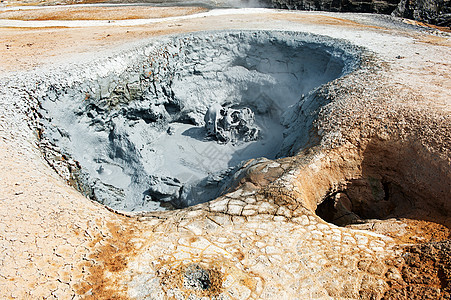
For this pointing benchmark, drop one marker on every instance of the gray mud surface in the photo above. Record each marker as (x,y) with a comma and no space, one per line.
(133,132)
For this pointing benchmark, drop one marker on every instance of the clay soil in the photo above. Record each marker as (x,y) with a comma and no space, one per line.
(426,268)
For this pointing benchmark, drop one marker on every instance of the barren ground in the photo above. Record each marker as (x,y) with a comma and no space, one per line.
(264,239)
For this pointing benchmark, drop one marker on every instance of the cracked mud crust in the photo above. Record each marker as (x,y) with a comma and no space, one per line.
(380,138)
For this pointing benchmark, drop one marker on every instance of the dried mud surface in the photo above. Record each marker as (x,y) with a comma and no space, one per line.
(99,13)
(263,240)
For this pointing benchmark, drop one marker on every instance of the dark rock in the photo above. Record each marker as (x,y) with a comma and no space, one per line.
(365,6)
(437,12)
(196,278)
(171,130)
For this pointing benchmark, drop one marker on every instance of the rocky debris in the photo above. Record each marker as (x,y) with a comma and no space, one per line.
(231,125)
(437,12)
(362,6)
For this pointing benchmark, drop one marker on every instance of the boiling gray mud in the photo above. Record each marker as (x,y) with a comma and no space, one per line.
(172,126)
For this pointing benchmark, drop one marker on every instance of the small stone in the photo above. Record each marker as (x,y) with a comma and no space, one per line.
(394,274)
(171,130)
(196,278)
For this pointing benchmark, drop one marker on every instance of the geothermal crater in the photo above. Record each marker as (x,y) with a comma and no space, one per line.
(172,126)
